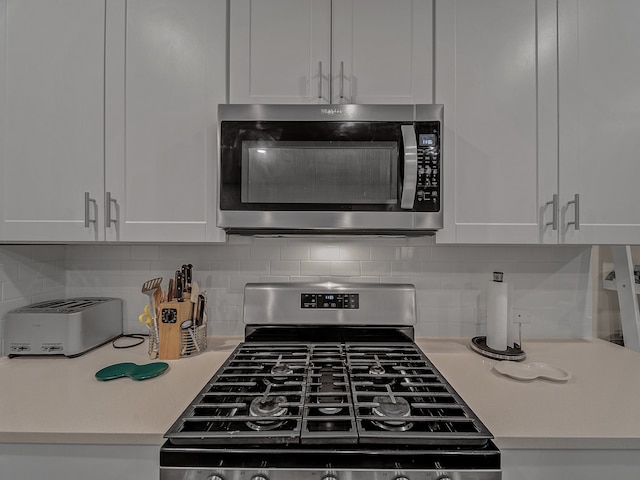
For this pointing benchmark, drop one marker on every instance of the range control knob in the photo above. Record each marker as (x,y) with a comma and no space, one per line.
(330,477)
(215,477)
(401,477)
(259,477)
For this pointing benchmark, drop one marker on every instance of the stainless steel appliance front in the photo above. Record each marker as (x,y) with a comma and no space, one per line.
(304,397)
(330,168)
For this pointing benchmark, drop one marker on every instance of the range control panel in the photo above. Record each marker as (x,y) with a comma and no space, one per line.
(428,187)
(349,301)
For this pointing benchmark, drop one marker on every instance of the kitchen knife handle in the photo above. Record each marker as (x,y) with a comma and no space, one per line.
(108,200)
(576,216)
(178,286)
(341,82)
(87,207)
(410,180)
(189,276)
(554,218)
(201,306)
(320,80)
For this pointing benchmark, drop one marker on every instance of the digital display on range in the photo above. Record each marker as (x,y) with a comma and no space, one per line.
(348,301)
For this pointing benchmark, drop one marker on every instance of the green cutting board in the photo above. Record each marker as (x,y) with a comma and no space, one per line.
(132,370)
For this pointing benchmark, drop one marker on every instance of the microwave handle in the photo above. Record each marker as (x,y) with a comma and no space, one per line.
(410,167)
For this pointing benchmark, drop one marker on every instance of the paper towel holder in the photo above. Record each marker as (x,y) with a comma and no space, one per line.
(515,353)
(480,344)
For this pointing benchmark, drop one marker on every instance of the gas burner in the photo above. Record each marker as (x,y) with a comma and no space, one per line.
(376,370)
(392,407)
(281,369)
(329,410)
(269,406)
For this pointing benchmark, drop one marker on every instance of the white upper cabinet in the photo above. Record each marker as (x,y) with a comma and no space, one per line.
(599,102)
(495,73)
(324,51)
(109,119)
(52,120)
(168,79)
(280,51)
(382,51)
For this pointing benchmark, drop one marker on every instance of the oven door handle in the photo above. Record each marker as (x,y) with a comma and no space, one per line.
(410,179)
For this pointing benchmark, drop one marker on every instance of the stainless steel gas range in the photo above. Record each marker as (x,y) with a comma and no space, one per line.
(329,385)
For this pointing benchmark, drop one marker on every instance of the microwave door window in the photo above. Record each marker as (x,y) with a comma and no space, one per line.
(319,172)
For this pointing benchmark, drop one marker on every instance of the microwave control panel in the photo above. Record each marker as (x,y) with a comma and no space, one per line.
(429,167)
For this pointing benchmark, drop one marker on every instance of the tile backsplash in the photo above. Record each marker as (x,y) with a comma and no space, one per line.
(551,283)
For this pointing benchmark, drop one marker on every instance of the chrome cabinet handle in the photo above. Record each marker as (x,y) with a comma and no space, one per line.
(576,216)
(341,82)
(108,200)
(410,166)
(320,80)
(87,207)
(554,218)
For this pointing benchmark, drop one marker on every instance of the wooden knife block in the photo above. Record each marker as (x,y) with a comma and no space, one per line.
(170,317)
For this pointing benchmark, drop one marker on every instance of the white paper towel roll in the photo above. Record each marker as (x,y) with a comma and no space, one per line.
(497,316)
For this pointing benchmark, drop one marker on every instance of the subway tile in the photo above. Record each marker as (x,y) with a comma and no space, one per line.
(315,268)
(231,252)
(48,253)
(450,280)
(145,252)
(31,270)
(285,267)
(265,252)
(17,253)
(384,253)
(237,283)
(364,279)
(253,267)
(321,253)
(395,280)
(22,289)
(307,278)
(295,252)
(274,279)
(345,269)
(354,252)
(406,268)
(376,268)
(8,271)
(226,267)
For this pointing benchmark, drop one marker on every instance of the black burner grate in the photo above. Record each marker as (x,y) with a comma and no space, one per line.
(328,393)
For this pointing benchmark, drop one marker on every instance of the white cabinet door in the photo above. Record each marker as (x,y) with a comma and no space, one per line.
(161,172)
(323,51)
(382,51)
(52,114)
(280,51)
(599,82)
(495,73)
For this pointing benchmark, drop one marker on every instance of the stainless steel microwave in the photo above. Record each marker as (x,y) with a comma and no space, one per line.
(356,169)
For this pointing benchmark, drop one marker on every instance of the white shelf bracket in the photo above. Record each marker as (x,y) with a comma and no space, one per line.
(625,281)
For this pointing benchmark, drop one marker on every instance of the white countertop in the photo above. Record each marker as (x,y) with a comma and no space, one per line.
(597,408)
(58,400)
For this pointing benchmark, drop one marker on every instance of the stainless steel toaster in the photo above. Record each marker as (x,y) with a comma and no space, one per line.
(68,327)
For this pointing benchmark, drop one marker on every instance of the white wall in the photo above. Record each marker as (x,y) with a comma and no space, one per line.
(551,282)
